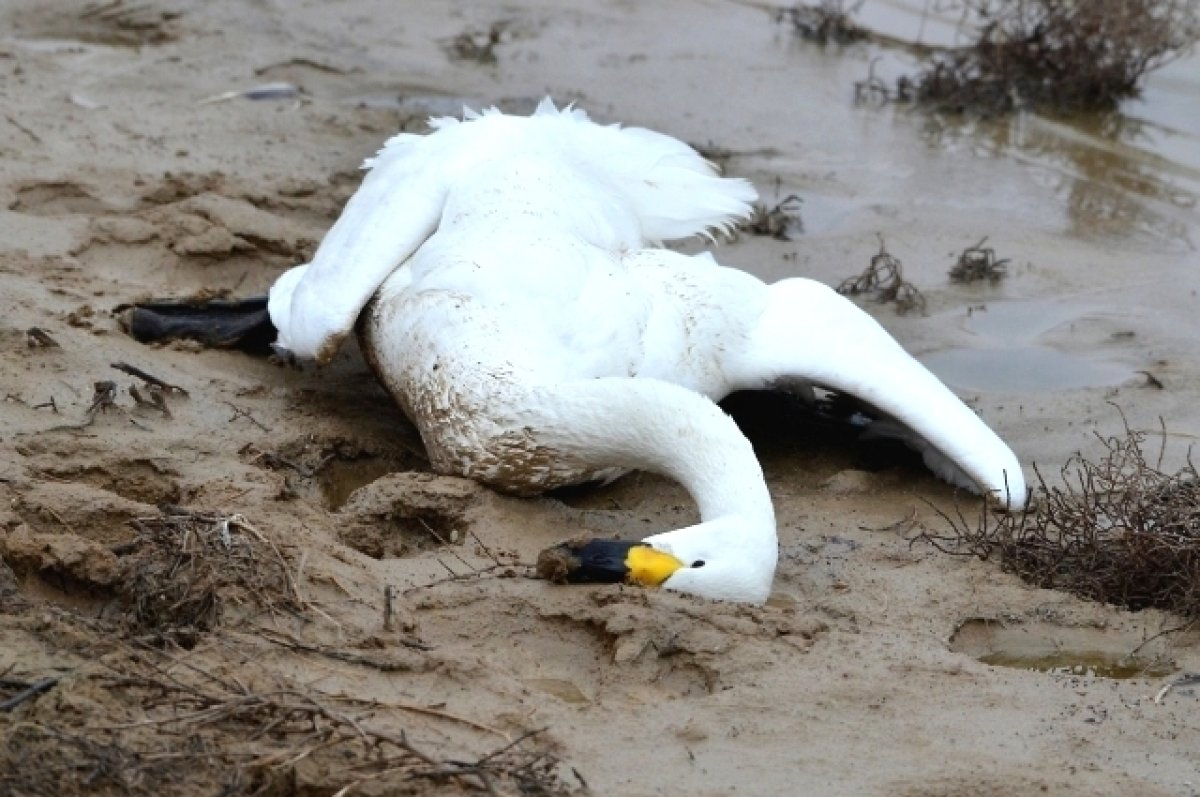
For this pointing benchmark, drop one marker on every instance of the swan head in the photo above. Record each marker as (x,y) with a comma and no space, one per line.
(305,327)
(719,559)
(729,558)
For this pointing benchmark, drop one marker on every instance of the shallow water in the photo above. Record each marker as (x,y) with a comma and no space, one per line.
(1090,663)
(1021,369)
(1007,352)
(1058,650)
(783,111)
(1097,213)
(1116,169)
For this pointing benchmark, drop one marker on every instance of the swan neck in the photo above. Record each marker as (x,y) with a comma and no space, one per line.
(645,424)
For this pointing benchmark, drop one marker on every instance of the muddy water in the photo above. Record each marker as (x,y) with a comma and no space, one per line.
(1059,650)
(1006,352)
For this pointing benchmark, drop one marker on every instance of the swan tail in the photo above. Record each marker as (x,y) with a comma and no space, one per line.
(674,192)
(671,189)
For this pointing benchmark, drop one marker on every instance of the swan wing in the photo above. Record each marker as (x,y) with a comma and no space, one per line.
(809,333)
(394,211)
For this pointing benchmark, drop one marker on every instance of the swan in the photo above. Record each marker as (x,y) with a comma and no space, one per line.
(505,279)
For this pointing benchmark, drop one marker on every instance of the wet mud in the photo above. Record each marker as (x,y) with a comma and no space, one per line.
(262,579)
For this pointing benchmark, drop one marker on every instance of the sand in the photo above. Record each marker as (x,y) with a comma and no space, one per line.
(339,572)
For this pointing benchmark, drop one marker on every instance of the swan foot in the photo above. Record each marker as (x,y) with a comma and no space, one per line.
(225,324)
(599,561)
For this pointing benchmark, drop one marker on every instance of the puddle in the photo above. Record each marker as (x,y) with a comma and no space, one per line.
(1090,663)
(1059,650)
(1007,357)
(1020,321)
(1024,369)
(1122,176)
(340,478)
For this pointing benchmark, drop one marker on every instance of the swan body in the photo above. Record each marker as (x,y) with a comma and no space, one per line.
(510,295)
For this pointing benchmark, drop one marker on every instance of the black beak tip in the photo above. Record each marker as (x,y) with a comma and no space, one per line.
(585,561)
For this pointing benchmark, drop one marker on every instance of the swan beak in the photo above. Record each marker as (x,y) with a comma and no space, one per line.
(597,561)
(650,567)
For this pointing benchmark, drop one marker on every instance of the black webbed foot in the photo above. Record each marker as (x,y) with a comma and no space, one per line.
(220,323)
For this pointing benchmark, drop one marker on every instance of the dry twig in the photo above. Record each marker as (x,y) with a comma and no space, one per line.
(36,337)
(977,263)
(828,21)
(28,693)
(185,566)
(185,731)
(149,378)
(884,281)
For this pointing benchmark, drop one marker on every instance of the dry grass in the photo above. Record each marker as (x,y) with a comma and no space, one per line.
(186,568)
(172,728)
(1118,530)
(824,22)
(159,697)
(781,222)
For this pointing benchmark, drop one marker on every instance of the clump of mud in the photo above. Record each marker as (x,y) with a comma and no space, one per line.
(1118,530)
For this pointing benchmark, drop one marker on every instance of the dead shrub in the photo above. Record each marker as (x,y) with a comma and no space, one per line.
(883,280)
(977,263)
(824,22)
(780,222)
(1057,54)
(1118,530)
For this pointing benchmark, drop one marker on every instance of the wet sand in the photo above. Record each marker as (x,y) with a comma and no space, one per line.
(121,177)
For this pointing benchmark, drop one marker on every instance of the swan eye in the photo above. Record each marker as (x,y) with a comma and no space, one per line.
(698,563)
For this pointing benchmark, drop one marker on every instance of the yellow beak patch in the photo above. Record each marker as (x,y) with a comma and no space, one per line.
(648,566)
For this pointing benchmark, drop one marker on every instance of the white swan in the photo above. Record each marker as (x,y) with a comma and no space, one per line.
(513,303)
